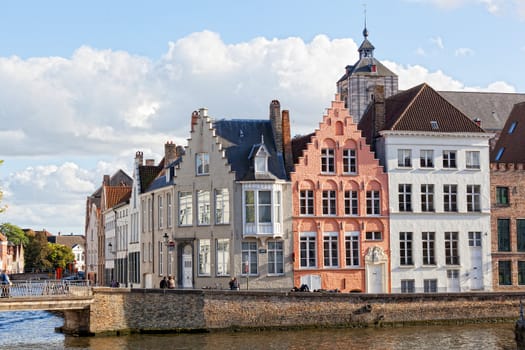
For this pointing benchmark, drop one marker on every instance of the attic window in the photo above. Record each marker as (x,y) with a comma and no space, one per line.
(434,125)
(512,127)
(500,153)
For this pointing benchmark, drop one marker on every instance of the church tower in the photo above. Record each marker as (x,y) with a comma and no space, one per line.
(357,86)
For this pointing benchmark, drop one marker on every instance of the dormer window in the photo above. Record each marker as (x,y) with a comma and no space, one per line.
(261,163)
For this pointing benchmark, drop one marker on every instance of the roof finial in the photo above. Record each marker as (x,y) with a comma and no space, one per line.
(365,31)
(262,139)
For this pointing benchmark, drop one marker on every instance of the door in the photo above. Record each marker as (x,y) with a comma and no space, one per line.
(312,281)
(453,281)
(375,278)
(476,273)
(187,271)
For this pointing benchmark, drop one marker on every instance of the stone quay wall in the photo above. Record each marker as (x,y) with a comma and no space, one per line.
(123,311)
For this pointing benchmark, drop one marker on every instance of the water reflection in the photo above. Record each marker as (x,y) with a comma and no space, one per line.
(494,336)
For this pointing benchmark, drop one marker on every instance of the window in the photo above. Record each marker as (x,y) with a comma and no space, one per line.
(521,272)
(223,257)
(500,153)
(504,272)
(327,161)
(306,202)
(202,163)
(160,213)
(502,196)
(261,161)
(427,197)
(372,203)
(449,159)
(329,201)
(451,248)
(474,239)
(203,207)
(430,286)
(434,125)
(404,158)
(222,206)
(472,159)
(426,158)
(405,197)
(258,206)
(450,194)
(405,248)
(161,259)
(185,208)
(351,204)
(352,249)
(330,249)
(428,240)
(349,161)
(275,258)
(408,286)
(374,236)
(512,127)
(504,235)
(204,257)
(168,212)
(473,198)
(249,258)
(307,244)
(520,234)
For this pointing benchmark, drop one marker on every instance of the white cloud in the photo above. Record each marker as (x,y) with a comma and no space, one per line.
(420,52)
(108,104)
(438,41)
(464,51)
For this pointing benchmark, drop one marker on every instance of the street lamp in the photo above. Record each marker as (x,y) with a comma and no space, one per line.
(166,240)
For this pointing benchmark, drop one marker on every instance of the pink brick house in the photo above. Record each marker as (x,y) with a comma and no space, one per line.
(340,209)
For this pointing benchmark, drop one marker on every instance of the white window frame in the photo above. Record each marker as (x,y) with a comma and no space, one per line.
(202,163)
(185,208)
(204,257)
(330,249)
(351,203)
(450,159)
(169,214)
(352,249)
(203,207)
(329,202)
(275,257)
(373,203)
(426,158)
(160,212)
(450,198)
(222,206)
(427,198)
(473,198)
(405,197)
(307,248)
(404,158)
(472,160)
(306,202)
(249,254)
(222,255)
(406,249)
(328,161)
(428,248)
(349,161)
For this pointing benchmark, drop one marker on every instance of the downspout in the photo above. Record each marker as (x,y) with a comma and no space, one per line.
(153,230)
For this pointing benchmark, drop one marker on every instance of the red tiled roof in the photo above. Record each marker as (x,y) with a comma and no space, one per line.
(116,195)
(511,144)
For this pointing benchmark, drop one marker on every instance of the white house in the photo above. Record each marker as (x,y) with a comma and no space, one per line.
(437,161)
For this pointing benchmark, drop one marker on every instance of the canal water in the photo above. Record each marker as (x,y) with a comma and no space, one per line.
(36,330)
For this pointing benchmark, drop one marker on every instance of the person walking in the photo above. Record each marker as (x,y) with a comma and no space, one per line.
(6,284)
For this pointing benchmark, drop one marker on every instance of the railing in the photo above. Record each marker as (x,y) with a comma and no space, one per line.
(46,288)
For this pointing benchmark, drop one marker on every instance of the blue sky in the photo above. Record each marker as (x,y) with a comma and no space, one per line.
(83,85)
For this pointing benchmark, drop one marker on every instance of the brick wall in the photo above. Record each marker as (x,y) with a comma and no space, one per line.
(149,310)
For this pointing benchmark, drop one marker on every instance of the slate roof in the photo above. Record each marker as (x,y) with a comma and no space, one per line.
(492,108)
(160,180)
(238,138)
(420,108)
(511,142)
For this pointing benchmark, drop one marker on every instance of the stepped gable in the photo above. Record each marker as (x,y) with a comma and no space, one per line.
(299,144)
(511,143)
(238,139)
(420,108)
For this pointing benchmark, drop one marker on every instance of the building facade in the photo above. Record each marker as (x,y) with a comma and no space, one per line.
(340,209)
(507,178)
(437,161)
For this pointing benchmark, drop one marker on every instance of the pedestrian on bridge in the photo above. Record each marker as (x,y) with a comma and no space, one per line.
(6,284)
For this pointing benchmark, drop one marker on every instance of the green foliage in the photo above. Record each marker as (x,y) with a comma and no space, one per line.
(14,234)
(59,255)
(36,251)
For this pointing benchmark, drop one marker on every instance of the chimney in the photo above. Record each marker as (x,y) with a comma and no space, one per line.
(203,112)
(170,153)
(287,142)
(378,112)
(139,158)
(277,126)
(105,180)
(194,119)
(150,162)
(180,151)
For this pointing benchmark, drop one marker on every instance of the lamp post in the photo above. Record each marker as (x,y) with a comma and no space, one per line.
(166,240)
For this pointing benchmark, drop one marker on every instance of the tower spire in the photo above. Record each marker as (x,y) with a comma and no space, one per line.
(365,31)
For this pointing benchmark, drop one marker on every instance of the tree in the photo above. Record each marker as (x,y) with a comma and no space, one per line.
(36,252)
(14,234)
(59,255)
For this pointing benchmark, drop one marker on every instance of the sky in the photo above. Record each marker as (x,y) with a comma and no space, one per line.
(84,85)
